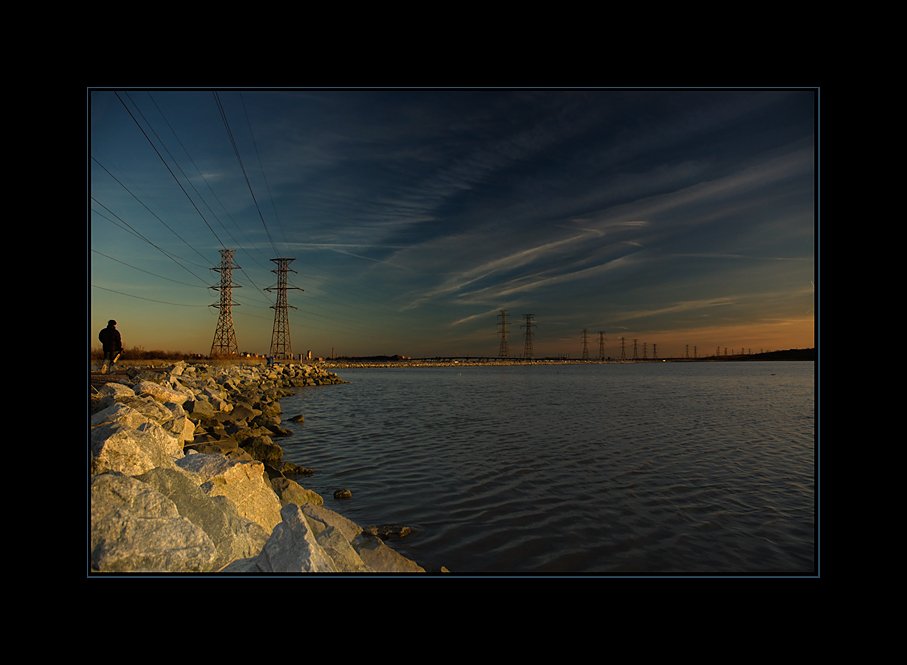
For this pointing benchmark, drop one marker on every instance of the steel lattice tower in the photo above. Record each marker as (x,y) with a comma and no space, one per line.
(623,352)
(527,348)
(504,349)
(224,343)
(585,344)
(601,344)
(281,349)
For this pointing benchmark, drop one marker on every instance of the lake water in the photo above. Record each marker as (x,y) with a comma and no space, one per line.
(644,468)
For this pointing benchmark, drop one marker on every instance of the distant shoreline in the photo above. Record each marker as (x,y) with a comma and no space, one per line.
(476,361)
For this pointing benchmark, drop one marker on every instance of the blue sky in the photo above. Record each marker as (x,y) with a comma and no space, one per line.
(676,218)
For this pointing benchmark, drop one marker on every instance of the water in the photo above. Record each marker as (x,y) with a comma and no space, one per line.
(617,468)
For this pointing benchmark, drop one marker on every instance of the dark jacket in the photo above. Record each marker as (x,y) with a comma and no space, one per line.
(110,338)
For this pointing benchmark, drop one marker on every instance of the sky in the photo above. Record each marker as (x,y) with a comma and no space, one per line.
(681,220)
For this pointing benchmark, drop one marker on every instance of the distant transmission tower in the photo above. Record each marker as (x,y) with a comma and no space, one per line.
(654,351)
(527,348)
(601,344)
(504,349)
(585,345)
(635,356)
(623,352)
(224,337)
(281,349)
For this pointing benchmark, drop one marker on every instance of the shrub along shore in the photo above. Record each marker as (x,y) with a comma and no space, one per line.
(186,477)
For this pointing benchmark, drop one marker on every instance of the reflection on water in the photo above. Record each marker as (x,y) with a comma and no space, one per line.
(645,468)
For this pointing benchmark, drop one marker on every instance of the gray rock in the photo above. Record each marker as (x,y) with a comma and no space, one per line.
(117,391)
(135,528)
(243,411)
(345,558)
(116,447)
(321,518)
(292,547)
(199,409)
(243,482)
(382,559)
(263,448)
(289,491)
(234,536)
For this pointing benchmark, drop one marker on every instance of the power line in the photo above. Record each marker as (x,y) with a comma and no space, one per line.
(210,189)
(146,208)
(145,271)
(263,174)
(139,235)
(167,166)
(176,304)
(223,116)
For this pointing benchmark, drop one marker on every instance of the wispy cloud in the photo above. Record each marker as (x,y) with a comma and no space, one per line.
(685,306)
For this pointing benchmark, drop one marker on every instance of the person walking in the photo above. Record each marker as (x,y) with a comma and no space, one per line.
(113,345)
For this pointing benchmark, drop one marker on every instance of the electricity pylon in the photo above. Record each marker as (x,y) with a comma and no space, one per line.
(585,344)
(527,348)
(224,343)
(504,349)
(281,349)
(623,351)
(601,344)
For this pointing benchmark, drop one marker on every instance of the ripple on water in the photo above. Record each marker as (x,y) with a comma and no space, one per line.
(653,477)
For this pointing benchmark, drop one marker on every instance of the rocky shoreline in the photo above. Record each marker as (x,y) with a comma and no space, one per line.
(185,477)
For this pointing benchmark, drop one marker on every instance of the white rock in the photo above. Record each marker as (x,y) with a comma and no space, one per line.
(292,547)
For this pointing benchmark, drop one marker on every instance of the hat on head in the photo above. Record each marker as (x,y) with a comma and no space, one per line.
(111,322)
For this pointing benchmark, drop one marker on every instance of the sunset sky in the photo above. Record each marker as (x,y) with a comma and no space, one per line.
(677,218)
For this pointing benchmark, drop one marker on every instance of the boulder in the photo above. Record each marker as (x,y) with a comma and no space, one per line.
(277,430)
(117,391)
(243,411)
(114,446)
(291,469)
(263,448)
(345,558)
(118,413)
(292,547)
(243,482)
(234,536)
(181,428)
(135,528)
(320,518)
(199,409)
(289,491)
(170,444)
(209,444)
(160,392)
(382,559)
